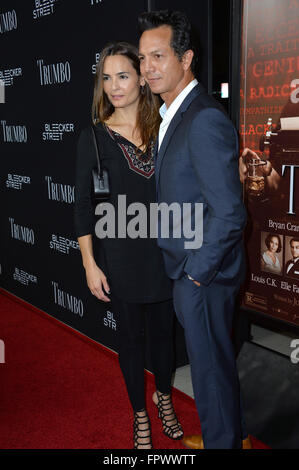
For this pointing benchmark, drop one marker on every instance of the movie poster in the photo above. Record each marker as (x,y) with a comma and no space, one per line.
(269,131)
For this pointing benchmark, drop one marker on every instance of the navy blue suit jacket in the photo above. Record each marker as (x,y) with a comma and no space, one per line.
(198,162)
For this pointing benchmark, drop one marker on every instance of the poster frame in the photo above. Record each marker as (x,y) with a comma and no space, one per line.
(235,46)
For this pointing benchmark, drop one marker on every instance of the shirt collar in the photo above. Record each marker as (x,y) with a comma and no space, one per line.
(168,113)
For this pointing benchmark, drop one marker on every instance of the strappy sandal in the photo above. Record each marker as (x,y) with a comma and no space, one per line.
(138,420)
(167,414)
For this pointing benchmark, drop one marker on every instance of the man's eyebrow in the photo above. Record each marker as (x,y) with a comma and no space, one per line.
(152,52)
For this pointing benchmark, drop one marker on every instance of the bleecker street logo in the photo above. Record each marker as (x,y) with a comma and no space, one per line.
(94,66)
(43,8)
(23,277)
(62,244)
(2,91)
(109,320)
(8,75)
(56,131)
(17,181)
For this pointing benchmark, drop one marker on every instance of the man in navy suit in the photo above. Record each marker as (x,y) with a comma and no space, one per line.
(197,163)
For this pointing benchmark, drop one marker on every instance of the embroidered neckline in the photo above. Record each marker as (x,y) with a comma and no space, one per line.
(139,162)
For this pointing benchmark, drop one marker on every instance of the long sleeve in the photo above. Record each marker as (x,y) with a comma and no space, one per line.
(214,157)
(84,217)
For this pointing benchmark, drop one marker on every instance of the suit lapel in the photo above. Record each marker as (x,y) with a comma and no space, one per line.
(156,151)
(173,125)
(171,128)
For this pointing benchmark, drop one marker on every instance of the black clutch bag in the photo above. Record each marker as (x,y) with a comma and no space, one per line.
(100,177)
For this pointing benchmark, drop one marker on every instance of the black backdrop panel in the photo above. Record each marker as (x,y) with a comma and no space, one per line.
(39,126)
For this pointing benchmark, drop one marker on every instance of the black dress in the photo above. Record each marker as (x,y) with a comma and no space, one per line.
(134,267)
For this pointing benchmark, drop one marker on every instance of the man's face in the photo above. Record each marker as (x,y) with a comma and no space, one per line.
(295,249)
(159,64)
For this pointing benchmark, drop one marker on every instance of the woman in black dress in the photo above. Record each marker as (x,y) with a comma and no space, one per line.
(125,114)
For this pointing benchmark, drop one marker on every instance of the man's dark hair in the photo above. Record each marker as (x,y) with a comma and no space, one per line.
(182,34)
(294,239)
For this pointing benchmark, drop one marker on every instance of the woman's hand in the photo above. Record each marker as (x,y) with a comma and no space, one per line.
(97,282)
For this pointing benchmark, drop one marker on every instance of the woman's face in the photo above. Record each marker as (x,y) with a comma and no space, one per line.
(121,81)
(274,244)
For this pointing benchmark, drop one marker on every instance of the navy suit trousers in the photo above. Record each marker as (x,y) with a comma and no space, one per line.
(206,314)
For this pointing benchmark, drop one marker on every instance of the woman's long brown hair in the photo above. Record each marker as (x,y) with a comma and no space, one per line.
(148,118)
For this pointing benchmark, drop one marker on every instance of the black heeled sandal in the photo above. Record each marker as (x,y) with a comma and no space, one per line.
(165,404)
(138,420)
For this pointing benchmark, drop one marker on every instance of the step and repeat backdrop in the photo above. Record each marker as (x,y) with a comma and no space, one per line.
(49,51)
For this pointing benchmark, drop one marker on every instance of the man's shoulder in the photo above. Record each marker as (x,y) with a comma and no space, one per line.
(204,107)
(205,111)
(206,116)
(205,102)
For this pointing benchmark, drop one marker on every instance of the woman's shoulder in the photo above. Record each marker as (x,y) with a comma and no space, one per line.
(85,135)
(100,126)
(102,131)
(87,128)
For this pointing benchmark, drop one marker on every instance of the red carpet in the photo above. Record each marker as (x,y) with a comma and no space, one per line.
(60,390)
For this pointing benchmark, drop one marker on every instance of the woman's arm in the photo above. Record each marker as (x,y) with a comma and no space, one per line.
(96,279)
(84,219)
(86,249)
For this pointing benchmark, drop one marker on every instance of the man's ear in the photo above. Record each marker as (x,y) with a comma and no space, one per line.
(187,59)
(142,81)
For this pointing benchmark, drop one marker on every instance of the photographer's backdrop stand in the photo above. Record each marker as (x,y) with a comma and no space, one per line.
(49,51)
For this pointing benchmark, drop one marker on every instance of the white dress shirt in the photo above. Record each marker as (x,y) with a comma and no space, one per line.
(168,113)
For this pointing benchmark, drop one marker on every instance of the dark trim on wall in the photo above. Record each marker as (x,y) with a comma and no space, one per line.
(266,321)
(150,5)
(236,9)
(210,47)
